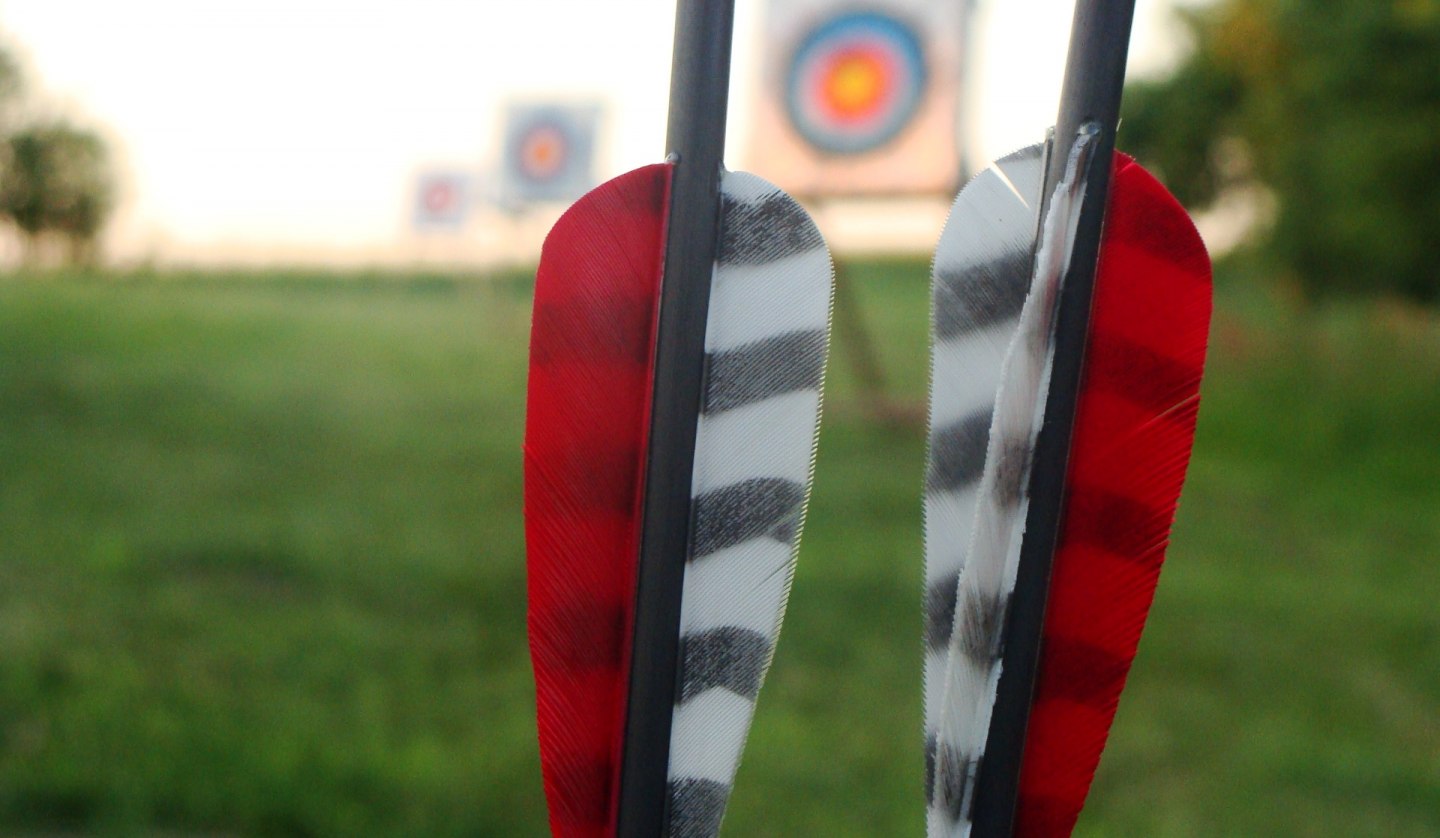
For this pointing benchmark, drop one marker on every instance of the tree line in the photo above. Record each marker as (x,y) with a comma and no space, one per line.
(1330,109)
(56,178)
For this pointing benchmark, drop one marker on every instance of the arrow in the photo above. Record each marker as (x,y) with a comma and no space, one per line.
(678,346)
(1057,441)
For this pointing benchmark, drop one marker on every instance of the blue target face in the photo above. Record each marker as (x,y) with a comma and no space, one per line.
(855,81)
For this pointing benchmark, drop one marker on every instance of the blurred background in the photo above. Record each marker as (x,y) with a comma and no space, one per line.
(265,274)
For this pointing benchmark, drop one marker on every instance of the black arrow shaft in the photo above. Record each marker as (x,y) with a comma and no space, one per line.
(695,141)
(1094,77)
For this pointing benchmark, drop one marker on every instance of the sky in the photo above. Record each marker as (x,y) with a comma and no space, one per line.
(302,124)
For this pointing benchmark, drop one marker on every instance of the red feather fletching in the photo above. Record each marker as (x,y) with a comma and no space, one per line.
(591,349)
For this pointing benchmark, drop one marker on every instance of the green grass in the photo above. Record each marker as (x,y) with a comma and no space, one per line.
(262,573)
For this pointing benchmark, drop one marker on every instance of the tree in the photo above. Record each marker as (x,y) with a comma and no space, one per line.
(12,85)
(58,180)
(1333,107)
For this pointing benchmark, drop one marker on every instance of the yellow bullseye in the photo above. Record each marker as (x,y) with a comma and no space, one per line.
(856,83)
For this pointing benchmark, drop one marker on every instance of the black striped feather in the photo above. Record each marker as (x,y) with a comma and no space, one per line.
(960,705)
(766,339)
(980,279)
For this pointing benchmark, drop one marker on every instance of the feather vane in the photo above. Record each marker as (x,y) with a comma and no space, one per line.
(980,278)
(766,339)
(986,581)
(586,421)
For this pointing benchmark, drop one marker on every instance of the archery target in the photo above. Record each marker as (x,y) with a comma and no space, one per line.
(441,199)
(855,82)
(542,152)
(548,152)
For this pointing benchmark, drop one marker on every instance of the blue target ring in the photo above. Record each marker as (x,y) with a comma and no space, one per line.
(855,81)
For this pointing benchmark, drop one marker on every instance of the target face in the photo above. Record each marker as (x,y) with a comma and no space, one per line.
(548,152)
(441,199)
(855,81)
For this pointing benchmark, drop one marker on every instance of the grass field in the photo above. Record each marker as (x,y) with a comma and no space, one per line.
(262,573)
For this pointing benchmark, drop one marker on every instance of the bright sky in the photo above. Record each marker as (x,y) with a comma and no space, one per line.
(303,122)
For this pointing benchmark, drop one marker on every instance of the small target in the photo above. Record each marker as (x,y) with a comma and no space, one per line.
(855,81)
(441,199)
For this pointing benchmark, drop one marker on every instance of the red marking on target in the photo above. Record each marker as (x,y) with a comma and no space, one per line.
(440,197)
